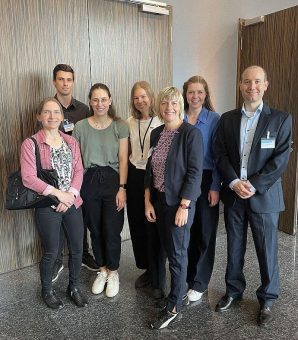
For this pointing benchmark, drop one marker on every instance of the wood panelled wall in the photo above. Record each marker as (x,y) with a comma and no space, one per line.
(105,41)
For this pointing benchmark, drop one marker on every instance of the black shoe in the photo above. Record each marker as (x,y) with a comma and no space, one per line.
(57,270)
(265,316)
(77,297)
(89,263)
(143,280)
(163,319)
(225,303)
(51,300)
(163,303)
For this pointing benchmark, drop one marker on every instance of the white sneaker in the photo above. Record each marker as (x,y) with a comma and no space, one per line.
(112,284)
(100,282)
(193,295)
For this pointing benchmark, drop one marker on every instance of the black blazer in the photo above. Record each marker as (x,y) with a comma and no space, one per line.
(265,166)
(184,164)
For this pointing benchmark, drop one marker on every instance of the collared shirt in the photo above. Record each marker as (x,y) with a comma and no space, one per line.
(75,112)
(249,122)
(248,126)
(207,124)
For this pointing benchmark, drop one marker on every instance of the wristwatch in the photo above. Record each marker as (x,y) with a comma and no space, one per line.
(184,206)
(123,186)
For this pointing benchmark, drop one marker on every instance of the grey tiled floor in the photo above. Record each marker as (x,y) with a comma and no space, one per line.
(24,316)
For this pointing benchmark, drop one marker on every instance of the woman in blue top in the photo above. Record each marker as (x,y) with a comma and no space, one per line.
(200,113)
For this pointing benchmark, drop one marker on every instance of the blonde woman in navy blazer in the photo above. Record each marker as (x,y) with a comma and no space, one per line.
(172,185)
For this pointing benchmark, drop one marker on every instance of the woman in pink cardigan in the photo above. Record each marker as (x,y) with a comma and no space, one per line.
(61,152)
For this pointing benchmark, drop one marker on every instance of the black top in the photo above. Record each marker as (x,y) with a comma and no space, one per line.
(75,112)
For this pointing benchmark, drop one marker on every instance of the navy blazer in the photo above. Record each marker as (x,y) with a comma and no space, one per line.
(184,164)
(265,166)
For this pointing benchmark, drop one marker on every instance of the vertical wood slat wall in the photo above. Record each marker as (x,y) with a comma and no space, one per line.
(273,44)
(105,41)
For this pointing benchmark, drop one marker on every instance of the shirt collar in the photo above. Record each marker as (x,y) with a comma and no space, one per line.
(202,118)
(257,112)
(72,103)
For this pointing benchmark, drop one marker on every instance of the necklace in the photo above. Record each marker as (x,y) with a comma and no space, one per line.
(101,125)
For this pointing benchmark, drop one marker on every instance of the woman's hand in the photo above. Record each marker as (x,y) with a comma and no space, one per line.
(67,198)
(150,212)
(61,208)
(181,217)
(213,198)
(120,199)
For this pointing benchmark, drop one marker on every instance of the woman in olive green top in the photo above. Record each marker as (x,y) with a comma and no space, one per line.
(103,140)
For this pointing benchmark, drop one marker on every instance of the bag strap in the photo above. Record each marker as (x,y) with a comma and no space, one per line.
(37,157)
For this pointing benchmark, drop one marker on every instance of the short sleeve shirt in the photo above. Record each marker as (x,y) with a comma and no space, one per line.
(100,147)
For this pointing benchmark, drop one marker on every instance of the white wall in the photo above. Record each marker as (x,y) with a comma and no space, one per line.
(205,41)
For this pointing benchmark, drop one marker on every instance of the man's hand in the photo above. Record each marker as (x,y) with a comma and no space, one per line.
(243,189)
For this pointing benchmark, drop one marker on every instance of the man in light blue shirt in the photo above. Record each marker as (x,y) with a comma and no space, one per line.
(252,150)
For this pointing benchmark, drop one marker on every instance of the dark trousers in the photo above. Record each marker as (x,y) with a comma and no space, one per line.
(49,224)
(148,250)
(201,250)
(85,242)
(99,189)
(264,232)
(175,240)
(136,216)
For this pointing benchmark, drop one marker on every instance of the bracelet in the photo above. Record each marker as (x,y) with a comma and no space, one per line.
(123,186)
(184,206)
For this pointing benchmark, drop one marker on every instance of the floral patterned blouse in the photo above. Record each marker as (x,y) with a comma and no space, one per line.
(159,158)
(61,160)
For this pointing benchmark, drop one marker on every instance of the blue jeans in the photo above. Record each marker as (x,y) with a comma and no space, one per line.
(49,224)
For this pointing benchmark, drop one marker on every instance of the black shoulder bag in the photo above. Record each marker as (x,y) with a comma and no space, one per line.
(20,197)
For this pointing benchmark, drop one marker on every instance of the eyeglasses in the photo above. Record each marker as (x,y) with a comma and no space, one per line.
(103,100)
(46,112)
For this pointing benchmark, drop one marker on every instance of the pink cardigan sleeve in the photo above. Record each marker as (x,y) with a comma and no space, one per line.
(77,178)
(28,169)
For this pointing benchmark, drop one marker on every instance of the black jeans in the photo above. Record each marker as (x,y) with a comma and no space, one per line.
(59,259)
(49,224)
(99,190)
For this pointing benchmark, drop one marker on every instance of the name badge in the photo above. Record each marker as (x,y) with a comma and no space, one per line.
(141,164)
(68,127)
(267,143)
